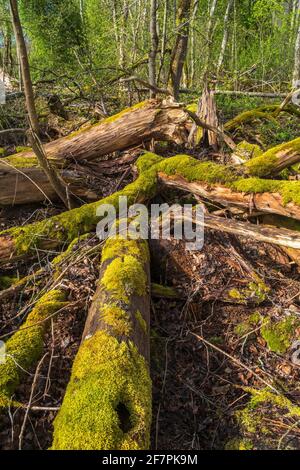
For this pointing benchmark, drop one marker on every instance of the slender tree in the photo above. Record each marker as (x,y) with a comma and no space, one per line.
(181,45)
(154,46)
(25,69)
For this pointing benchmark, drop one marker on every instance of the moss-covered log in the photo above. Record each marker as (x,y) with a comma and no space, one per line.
(216,182)
(275,160)
(264,112)
(107,405)
(25,182)
(25,347)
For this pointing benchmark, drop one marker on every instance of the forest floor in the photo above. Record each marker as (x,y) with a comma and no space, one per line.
(207,348)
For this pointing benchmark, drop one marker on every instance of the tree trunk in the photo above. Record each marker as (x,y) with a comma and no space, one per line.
(110,378)
(154,46)
(212,181)
(181,44)
(25,182)
(296,73)
(225,35)
(23,57)
(133,126)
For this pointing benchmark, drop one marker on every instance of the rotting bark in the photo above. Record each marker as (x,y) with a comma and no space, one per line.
(215,182)
(153,119)
(25,182)
(110,376)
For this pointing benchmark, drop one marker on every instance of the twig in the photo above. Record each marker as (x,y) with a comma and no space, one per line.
(55,180)
(236,361)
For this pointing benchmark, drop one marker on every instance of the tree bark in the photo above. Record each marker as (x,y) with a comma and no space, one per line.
(225,35)
(23,57)
(24,182)
(110,377)
(268,202)
(154,46)
(278,236)
(296,72)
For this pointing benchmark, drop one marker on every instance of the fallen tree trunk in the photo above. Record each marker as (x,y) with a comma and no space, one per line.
(25,182)
(215,182)
(274,160)
(107,405)
(267,112)
(25,347)
(270,201)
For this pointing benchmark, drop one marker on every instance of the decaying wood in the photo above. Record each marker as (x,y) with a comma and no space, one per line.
(26,182)
(58,185)
(152,119)
(207,112)
(279,236)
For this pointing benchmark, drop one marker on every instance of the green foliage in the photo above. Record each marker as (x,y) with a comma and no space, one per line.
(54,28)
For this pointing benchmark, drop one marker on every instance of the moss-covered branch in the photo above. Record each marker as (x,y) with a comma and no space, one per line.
(107,405)
(220,183)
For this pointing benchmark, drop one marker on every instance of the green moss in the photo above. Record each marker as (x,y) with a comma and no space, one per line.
(108,120)
(158,290)
(2,152)
(125,277)
(117,318)
(247,151)
(141,321)
(7,281)
(255,292)
(192,170)
(19,161)
(118,246)
(263,165)
(24,348)
(23,149)
(246,117)
(147,160)
(245,327)
(289,190)
(107,377)
(278,335)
